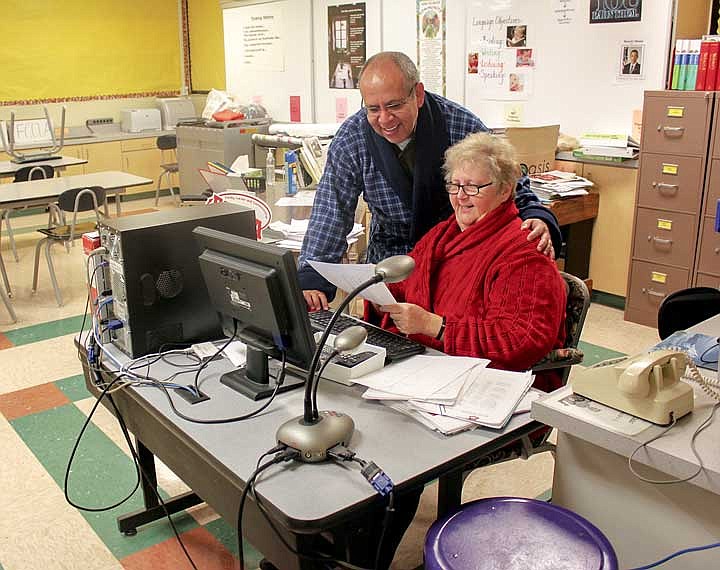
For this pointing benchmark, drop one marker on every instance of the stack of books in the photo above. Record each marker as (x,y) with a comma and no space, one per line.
(695,64)
(555,184)
(607,147)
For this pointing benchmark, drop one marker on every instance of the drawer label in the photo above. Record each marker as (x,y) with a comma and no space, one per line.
(669,168)
(675,111)
(664,224)
(658,277)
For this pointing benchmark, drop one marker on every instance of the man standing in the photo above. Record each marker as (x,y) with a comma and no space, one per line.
(391,152)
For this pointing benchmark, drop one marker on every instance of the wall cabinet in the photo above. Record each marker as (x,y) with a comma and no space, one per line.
(674,244)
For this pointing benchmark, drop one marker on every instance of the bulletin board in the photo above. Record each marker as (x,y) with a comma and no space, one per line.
(566,70)
(77,49)
(268,56)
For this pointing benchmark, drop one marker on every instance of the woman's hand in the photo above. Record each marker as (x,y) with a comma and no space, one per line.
(315,300)
(539,230)
(413,319)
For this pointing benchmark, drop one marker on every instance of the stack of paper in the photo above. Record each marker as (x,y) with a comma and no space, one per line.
(449,393)
(607,147)
(557,184)
(294,233)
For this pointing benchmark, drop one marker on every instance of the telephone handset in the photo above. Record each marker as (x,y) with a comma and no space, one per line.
(647,385)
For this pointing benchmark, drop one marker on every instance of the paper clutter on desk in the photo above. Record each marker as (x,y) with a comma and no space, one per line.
(294,233)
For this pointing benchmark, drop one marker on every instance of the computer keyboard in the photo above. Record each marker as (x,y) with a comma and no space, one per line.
(396,346)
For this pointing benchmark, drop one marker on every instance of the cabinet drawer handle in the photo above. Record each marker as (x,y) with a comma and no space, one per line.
(660,241)
(669,188)
(717,251)
(653,293)
(675,131)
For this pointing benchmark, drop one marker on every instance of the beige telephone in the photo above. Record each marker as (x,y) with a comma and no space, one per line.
(647,386)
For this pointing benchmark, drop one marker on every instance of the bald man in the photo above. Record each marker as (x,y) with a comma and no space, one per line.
(391,152)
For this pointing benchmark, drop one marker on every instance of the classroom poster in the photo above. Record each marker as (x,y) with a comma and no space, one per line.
(260,45)
(500,56)
(615,11)
(431,44)
(564,11)
(346,44)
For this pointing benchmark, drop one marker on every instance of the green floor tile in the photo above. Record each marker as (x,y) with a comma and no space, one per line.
(227,535)
(101,475)
(595,353)
(45,331)
(74,387)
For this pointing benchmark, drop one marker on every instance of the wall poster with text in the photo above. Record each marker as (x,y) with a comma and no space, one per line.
(346,44)
(501,56)
(615,11)
(431,44)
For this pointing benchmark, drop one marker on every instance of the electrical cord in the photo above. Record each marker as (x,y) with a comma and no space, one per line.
(678,553)
(218,353)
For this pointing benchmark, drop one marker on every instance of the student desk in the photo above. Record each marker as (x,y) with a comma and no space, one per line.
(43,192)
(644,522)
(9,168)
(303,499)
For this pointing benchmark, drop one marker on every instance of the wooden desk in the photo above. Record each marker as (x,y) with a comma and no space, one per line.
(576,217)
(9,168)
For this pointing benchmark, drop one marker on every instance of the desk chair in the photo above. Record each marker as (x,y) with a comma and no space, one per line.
(23,174)
(74,200)
(167,142)
(5,292)
(516,534)
(687,307)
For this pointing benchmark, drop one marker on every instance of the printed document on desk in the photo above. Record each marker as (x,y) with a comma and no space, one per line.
(347,276)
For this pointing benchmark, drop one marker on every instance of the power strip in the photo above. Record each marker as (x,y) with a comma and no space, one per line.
(103,121)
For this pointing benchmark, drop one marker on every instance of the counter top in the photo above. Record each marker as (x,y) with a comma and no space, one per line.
(101,136)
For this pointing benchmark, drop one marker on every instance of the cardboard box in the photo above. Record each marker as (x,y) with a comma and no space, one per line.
(90,241)
(535,146)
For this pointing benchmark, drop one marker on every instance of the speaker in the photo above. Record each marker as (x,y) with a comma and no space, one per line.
(158,291)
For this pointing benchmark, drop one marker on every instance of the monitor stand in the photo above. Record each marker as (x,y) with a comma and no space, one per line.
(258,378)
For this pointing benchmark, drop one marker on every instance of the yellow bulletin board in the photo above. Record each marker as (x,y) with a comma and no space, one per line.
(85,49)
(207,49)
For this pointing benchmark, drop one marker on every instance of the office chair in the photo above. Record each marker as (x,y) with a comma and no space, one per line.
(687,307)
(23,174)
(74,200)
(5,292)
(167,142)
(514,533)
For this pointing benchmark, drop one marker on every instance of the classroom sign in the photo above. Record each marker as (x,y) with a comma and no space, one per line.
(615,11)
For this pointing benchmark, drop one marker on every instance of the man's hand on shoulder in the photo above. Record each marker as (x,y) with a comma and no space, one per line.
(539,230)
(316,300)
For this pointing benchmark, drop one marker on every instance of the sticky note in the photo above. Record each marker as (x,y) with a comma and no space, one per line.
(295,108)
(341,109)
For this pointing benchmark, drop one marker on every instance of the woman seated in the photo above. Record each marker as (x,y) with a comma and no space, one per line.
(480,288)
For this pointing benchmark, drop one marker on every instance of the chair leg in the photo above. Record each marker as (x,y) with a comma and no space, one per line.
(157,189)
(8,305)
(38,246)
(11,236)
(5,279)
(53,277)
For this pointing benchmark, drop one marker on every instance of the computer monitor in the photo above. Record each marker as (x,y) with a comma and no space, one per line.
(255,289)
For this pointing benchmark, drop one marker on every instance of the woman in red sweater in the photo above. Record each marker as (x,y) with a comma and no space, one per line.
(479,287)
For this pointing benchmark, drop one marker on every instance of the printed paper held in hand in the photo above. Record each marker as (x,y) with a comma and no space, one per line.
(347,276)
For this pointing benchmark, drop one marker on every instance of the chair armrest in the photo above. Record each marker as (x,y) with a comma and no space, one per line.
(559,358)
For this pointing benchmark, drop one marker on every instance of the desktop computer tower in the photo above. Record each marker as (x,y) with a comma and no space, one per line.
(159,295)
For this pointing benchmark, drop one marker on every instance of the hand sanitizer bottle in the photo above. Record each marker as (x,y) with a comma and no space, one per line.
(270,168)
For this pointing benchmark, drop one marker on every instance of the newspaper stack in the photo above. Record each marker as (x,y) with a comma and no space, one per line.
(556,184)
(294,233)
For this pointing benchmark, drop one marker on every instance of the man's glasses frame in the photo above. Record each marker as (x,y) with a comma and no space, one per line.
(391,107)
(469,189)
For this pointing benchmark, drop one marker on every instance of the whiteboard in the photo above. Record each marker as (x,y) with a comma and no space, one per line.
(576,79)
(268,55)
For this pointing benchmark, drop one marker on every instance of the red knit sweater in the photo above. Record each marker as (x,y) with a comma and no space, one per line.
(502,299)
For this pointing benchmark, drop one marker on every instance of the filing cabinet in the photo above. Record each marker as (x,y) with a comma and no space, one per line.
(674,241)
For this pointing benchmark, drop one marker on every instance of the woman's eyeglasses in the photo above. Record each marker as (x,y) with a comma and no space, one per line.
(469,189)
(392,107)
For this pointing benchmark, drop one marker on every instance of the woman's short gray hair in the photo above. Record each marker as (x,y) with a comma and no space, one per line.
(406,66)
(487,151)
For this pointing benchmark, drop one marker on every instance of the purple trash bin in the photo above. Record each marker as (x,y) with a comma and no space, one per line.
(510,533)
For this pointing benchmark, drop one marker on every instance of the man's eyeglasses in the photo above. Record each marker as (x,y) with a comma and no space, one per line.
(392,107)
(469,189)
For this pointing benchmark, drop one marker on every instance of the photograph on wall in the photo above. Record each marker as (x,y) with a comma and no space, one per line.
(430,16)
(346,44)
(630,64)
(524,57)
(615,11)
(516,36)
(472,62)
